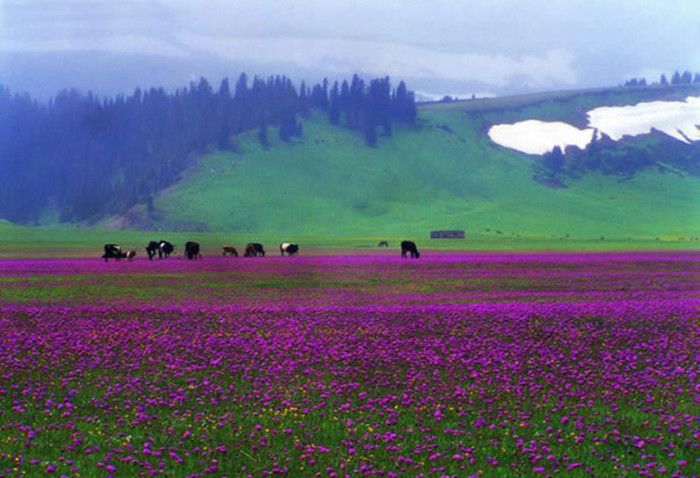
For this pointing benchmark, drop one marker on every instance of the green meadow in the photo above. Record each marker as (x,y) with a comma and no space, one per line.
(20,242)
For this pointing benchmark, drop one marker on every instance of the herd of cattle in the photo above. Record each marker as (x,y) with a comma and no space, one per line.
(163,249)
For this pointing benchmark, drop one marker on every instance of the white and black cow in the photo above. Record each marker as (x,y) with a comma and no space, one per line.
(152,249)
(165,249)
(113,251)
(130,255)
(409,247)
(290,249)
(192,250)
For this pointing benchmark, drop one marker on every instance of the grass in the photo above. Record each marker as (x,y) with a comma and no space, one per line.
(22,242)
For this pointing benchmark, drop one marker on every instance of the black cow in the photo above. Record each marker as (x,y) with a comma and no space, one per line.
(113,251)
(409,247)
(383,244)
(152,249)
(254,249)
(290,249)
(192,250)
(229,250)
(165,249)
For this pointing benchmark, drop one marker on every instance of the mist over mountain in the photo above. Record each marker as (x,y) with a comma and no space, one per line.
(440,47)
(44,74)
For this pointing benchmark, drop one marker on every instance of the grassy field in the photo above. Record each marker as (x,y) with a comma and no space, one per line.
(25,242)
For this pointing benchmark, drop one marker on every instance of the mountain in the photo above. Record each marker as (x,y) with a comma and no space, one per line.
(444,173)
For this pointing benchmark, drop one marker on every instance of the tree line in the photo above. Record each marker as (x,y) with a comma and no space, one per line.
(84,157)
(623,158)
(678,78)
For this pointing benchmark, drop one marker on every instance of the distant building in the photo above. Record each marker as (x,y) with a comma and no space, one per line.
(447,234)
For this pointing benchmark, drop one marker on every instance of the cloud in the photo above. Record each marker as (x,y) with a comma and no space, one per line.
(391,58)
(108,44)
(497,45)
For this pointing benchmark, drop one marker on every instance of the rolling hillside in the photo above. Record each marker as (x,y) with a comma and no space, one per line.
(444,174)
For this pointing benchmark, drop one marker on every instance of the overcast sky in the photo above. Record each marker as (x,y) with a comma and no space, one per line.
(469,46)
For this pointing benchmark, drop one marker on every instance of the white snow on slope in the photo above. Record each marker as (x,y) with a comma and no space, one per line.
(539,137)
(671,117)
(678,119)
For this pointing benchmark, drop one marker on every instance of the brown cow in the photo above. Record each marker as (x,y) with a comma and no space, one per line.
(229,250)
(254,249)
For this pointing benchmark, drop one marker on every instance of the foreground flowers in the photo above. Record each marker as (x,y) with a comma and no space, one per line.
(454,365)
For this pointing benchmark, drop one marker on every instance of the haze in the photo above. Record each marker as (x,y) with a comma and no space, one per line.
(484,47)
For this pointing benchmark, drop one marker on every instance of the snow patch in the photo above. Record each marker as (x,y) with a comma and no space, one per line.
(539,137)
(678,119)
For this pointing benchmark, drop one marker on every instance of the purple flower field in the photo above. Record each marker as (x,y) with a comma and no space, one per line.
(455,364)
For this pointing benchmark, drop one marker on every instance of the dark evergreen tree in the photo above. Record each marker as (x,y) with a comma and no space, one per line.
(380,102)
(356,102)
(304,101)
(404,105)
(554,160)
(262,134)
(676,78)
(334,105)
(319,96)
(288,128)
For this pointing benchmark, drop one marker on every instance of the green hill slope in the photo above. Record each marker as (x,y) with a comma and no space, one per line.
(444,174)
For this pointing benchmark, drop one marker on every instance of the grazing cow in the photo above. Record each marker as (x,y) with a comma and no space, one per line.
(290,249)
(152,249)
(165,249)
(229,250)
(113,251)
(254,249)
(130,255)
(383,244)
(192,250)
(409,247)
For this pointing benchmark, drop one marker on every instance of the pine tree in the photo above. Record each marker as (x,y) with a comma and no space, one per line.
(676,78)
(334,105)
(262,135)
